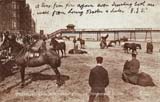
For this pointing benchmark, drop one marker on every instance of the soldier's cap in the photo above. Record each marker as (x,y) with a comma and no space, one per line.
(99,59)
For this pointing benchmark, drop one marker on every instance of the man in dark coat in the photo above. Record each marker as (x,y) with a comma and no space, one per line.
(98,81)
(149,47)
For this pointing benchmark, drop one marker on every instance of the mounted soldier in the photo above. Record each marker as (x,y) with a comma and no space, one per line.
(37,47)
(131,73)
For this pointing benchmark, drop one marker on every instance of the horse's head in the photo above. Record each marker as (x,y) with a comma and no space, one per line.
(79,39)
(106,36)
(139,46)
(53,41)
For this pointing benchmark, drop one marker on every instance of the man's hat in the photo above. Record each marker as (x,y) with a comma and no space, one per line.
(99,59)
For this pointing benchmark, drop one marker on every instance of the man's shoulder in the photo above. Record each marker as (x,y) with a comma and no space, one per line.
(98,68)
(134,60)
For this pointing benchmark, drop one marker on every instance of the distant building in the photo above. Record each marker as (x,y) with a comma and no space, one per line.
(16,17)
(70,27)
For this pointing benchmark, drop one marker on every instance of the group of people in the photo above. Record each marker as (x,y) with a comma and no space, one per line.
(37,45)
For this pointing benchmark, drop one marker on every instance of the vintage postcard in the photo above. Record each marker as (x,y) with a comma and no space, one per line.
(79,51)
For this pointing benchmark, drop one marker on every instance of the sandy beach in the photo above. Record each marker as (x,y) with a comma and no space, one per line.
(41,86)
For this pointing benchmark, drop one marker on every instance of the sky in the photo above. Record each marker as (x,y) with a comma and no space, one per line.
(150,18)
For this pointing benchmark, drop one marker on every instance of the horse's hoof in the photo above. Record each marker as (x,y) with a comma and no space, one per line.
(60,83)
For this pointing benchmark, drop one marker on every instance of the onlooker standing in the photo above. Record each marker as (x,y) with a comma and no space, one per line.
(98,81)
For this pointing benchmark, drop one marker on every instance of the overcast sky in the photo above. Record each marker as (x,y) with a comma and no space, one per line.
(149,19)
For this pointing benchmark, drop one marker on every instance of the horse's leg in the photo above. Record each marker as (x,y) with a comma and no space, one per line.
(127,50)
(22,70)
(58,77)
(62,52)
(58,52)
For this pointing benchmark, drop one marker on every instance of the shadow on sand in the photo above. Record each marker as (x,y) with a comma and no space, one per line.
(38,76)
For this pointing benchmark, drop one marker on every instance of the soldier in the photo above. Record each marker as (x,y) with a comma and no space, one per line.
(131,73)
(74,42)
(149,47)
(98,81)
(43,46)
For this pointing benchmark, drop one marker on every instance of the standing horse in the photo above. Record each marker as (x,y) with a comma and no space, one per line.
(58,45)
(22,59)
(113,41)
(131,46)
(82,43)
(103,43)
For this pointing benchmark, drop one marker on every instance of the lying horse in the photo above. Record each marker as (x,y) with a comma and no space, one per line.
(76,51)
(82,43)
(58,45)
(131,46)
(20,55)
(142,79)
(149,47)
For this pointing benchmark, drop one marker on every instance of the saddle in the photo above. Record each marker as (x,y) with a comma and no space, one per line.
(34,50)
(32,54)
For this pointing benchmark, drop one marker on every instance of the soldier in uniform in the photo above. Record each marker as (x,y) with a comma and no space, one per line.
(43,46)
(131,73)
(74,42)
(98,81)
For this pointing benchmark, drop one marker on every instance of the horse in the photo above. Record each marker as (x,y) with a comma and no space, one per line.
(124,39)
(149,47)
(21,57)
(74,51)
(131,46)
(82,43)
(104,37)
(103,43)
(61,45)
(113,41)
(143,79)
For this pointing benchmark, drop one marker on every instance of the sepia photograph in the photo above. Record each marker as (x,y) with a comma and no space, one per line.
(79,51)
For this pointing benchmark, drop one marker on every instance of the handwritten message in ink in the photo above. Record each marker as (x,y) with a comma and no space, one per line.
(82,9)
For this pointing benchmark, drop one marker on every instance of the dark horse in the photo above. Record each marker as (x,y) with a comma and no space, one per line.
(82,43)
(58,46)
(21,57)
(131,46)
(103,43)
(142,79)
(113,41)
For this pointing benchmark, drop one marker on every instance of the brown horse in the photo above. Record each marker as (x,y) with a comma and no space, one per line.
(82,43)
(113,41)
(142,79)
(22,59)
(131,46)
(58,46)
